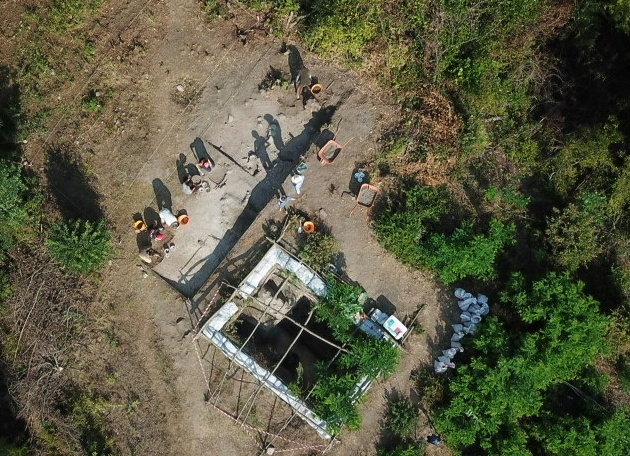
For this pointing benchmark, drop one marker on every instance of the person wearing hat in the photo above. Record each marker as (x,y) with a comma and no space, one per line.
(156,232)
(204,165)
(189,186)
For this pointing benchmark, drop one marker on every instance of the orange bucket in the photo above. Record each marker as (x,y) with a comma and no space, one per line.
(317,89)
(308,227)
(183,219)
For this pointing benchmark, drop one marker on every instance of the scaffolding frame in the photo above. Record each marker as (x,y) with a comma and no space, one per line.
(266,439)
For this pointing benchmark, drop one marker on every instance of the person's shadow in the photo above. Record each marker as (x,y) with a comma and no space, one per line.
(275,132)
(185,170)
(162,195)
(260,150)
(199,150)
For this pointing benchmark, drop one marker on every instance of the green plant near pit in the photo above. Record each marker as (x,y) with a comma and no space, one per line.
(319,250)
(80,246)
(294,386)
(335,401)
(335,394)
(371,358)
(339,307)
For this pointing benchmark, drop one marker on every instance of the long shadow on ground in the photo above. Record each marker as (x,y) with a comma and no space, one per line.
(70,184)
(261,195)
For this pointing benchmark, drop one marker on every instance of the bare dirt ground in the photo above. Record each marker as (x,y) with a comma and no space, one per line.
(136,148)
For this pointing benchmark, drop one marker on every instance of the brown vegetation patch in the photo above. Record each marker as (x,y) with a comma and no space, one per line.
(433,170)
(43,326)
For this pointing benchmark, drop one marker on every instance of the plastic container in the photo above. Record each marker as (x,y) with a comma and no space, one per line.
(183,219)
(139,225)
(168,218)
(308,227)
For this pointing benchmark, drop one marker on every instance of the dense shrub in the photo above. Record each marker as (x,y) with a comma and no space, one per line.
(335,400)
(576,233)
(319,250)
(466,253)
(17,200)
(408,227)
(370,357)
(406,220)
(402,418)
(340,307)
(515,376)
(80,246)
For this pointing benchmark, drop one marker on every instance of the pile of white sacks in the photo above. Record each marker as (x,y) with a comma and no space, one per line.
(473,310)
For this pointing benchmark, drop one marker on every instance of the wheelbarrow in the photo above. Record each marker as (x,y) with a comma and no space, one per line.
(330,151)
(365,197)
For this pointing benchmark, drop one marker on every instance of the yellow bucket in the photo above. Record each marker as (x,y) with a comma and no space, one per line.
(183,219)
(316,89)
(139,225)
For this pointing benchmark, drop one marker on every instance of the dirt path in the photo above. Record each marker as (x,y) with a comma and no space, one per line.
(383,277)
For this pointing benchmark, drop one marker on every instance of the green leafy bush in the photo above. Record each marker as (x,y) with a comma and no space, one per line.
(576,233)
(335,401)
(80,246)
(17,201)
(405,221)
(512,377)
(465,253)
(340,307)
(402,418)
(319,250)
(431,388)
(334,395)
(371,357)
(407,226)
